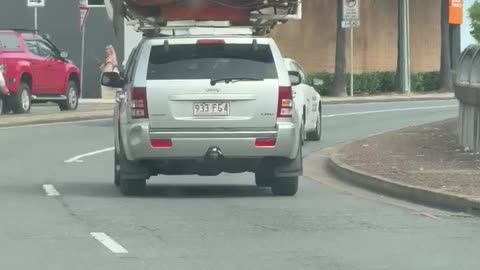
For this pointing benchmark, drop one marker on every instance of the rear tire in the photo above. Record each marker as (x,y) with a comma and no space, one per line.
(132,187)
(303,133)
(116,169)
(22,101)
(71,103)
(263,179)
(316,135)
(285,186)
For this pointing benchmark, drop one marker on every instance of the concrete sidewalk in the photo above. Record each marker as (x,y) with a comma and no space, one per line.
(58,117)
(388,98)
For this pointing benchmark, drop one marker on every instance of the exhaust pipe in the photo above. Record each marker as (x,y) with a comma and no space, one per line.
(214,153)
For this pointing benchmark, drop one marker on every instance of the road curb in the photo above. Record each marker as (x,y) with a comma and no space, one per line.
(427,196)
(16,121)
(384,100)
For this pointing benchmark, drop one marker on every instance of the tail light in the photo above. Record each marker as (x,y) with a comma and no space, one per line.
(138,102)
(265,142)
(161,143)
(285,102)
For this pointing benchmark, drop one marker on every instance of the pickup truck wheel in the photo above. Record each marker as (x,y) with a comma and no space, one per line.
(22,100)
(285,186)
(132,187)
(71,103)
(316,135)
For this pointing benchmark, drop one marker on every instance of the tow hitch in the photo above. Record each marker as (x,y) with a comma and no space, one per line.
(213,153)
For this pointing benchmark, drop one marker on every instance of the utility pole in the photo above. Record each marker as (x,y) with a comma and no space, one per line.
(404,27)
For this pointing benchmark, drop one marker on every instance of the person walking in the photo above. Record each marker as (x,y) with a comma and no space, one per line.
(110,65)
(4,92)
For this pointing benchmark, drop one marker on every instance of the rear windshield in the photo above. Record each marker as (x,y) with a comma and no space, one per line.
(191,62)
(9,42)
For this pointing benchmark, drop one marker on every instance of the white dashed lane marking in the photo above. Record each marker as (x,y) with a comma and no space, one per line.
(108,242)
(50,190)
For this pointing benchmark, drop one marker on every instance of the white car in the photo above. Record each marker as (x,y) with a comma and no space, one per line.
(307,102)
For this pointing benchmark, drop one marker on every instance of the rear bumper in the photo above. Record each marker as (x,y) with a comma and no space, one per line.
(195,144)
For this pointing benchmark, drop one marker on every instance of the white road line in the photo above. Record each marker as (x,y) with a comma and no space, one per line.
(79,157)
(108,242)
(392,110)
(50,190)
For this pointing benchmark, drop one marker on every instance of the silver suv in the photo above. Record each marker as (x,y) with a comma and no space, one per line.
(204,105)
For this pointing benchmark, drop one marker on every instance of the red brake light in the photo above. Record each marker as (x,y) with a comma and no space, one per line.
(210,42)
(138,101)
(161,143)
(265,142)
(285,102)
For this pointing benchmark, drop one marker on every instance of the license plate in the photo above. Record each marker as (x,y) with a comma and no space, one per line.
(211,108)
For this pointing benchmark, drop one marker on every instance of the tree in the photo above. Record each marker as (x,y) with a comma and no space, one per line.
(474,15)
(339,88)
(445,60)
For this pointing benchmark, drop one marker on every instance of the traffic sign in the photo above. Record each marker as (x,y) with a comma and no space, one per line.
(350,24)
(83,16)
(35,3)
(351,13)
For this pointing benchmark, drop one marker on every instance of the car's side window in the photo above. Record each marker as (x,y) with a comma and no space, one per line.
(32,47)
(129,64)
(45,50)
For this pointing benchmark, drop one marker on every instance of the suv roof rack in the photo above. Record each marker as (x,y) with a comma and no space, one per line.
(262,19)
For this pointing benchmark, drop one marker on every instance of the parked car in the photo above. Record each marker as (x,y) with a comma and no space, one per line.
(36,71)
(308,103)
(206,105)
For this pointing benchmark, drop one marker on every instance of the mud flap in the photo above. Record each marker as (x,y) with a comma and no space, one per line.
(289,167)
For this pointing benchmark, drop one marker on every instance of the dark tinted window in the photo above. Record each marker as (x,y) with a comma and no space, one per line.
(9,42)
(96,2)
(211,61)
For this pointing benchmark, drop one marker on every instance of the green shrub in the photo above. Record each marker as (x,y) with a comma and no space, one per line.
(378,82)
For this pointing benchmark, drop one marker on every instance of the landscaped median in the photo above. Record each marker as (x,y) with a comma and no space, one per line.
(422,164)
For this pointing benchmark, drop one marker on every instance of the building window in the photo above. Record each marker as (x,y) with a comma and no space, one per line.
(95,3)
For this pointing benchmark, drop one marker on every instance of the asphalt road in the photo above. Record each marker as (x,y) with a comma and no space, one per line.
(220,222)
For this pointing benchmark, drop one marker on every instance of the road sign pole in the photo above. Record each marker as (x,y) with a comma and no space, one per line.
(82,63)
(83,21)
(36,18)
(351,61)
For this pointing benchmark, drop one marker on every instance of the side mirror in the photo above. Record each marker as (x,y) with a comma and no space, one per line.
(295,78)
(317,82)
(112,79)
(64,55)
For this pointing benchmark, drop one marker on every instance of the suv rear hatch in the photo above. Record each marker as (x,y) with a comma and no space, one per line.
(212,83)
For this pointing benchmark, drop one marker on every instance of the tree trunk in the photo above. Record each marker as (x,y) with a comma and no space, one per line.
(339,89)
(401,50)
(445,61)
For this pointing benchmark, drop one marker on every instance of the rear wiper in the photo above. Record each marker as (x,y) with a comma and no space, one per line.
(232,80)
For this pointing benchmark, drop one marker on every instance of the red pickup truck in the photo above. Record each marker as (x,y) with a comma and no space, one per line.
(36,71)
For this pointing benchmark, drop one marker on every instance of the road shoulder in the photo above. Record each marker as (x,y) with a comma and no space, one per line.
(422,164)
